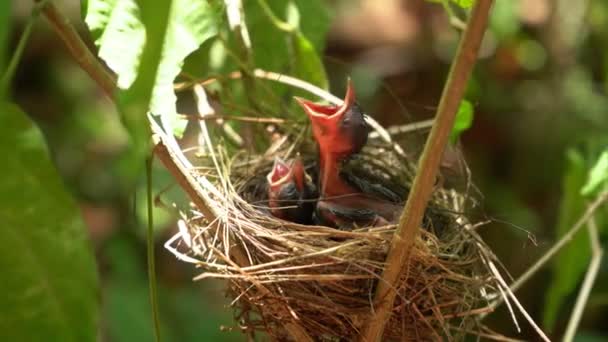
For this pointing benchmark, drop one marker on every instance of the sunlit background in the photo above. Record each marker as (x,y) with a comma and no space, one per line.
(541,110)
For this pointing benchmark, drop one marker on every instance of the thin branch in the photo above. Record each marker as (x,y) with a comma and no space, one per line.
(276,21)
(601,199)
(411,219)
(192,187)
(78,49)
(592,272)
(523,311)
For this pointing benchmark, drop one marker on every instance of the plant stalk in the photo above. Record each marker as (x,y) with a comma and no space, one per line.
(408,228)
(151,255)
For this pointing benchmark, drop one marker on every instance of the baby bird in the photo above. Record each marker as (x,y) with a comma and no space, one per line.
(291,193)
(340,132)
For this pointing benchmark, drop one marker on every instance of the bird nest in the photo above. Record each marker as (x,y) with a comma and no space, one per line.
(291,281)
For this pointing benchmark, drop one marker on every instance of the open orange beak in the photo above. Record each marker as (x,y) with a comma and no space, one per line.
(283,173)
(280,174)
(328,116)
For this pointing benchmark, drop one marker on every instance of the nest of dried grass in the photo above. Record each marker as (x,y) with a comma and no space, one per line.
(286,278)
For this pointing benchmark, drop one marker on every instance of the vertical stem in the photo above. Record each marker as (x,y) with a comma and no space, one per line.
(236,21)
(151,259)
(409,224)
(564,240)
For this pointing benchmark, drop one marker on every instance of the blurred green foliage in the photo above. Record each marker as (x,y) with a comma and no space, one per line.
(598,176)
(463,120)
(571,262)
(49,282)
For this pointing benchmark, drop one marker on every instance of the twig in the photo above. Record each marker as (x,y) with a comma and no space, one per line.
(516,302)
(592,271)
(280,24)
(411,219)
(78,49)
(249,119)
(603,197)
(201,200)
(403,129)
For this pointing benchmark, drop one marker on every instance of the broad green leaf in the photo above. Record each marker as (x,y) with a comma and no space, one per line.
(598,176)
(271,46)
(49,279)
(307,64)
(121,36)
(463,120)
(571,263)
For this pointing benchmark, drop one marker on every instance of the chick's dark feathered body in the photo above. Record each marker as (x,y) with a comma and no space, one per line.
(340,132)
(291,193)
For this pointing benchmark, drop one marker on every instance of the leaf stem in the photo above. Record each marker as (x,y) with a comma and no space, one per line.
(236,22)
(280,24)
(8,75)
(408,228)
(565,239)
(151,257)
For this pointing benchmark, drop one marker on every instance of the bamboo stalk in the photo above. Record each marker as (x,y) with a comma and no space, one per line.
(409,224)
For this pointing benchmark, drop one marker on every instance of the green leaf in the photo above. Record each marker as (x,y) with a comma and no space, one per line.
(464,3)
(307,64)
(463,120)
(598,176)
(571,263)
(121,35)
(49,280)
(271,46)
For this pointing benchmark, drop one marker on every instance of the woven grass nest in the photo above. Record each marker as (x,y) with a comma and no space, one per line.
(321,280)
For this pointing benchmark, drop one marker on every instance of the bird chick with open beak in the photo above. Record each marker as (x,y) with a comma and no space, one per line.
(291,193)
(340,132)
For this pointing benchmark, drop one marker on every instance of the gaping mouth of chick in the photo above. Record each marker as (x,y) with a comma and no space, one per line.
(320,110)
(317,110)
(280,173)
